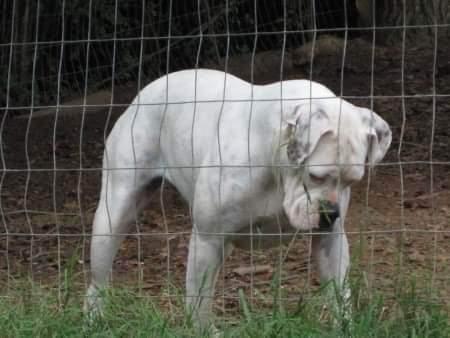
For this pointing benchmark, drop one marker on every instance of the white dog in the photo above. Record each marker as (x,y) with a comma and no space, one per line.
(246,158)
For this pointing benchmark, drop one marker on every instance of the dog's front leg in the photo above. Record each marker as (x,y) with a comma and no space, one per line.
(331,252)
(206,256)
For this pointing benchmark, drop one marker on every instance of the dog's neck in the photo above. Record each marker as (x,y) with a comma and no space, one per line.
(280,161)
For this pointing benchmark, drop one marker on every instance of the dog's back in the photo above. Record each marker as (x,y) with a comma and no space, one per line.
(172,116)
(180,122)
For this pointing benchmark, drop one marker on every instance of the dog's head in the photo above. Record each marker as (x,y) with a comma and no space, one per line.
(329,142)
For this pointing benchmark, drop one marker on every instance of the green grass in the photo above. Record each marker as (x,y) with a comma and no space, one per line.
(31,311)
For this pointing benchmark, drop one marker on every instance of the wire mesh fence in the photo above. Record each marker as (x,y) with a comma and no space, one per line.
(71,68)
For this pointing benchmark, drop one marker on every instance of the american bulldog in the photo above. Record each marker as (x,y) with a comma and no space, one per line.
(256,163)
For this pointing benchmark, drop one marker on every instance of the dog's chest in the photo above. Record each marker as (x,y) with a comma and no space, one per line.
(268,208)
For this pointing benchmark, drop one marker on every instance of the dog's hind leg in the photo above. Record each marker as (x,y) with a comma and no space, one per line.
(130,163)
(121,199)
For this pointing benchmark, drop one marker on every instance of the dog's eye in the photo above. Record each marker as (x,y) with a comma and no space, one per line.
(316,179)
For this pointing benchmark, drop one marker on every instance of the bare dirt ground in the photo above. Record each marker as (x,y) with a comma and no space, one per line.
(45,212)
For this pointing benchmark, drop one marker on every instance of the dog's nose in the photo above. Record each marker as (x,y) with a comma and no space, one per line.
(329,212)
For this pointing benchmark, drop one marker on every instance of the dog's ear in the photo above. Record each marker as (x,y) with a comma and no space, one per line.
(379,136)
(307,124)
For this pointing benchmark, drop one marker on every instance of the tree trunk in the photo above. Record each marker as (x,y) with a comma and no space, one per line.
(393,13)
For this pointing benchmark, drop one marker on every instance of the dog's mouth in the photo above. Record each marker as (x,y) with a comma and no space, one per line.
(329,213)
(302,217)
(306,214)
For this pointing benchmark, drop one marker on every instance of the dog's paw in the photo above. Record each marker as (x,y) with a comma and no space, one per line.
(215,332)
(93,305)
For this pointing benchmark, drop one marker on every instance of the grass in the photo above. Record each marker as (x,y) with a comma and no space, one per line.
(32,311)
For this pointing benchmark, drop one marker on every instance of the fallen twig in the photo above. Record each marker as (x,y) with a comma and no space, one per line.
(246,270)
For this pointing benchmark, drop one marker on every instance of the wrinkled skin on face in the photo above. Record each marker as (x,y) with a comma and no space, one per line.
(330,142)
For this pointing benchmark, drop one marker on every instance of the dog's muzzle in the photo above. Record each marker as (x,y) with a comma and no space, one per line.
(329,212)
